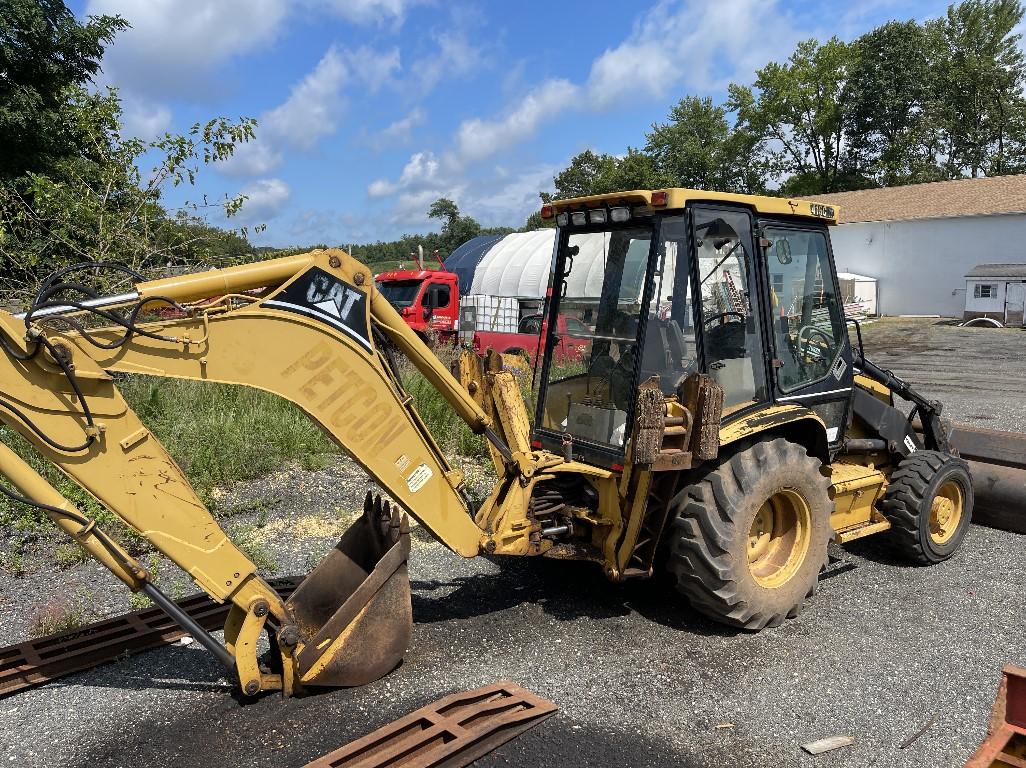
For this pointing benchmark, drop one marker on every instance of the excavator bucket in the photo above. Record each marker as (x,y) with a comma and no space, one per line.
(353,611)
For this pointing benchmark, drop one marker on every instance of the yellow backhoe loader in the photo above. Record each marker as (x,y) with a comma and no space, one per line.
(719,424)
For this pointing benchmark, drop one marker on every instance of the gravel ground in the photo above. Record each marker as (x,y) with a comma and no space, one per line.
(640,679)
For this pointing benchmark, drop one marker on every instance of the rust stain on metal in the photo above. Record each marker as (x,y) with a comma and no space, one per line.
(450,733)
(703,397)
(1005,744)
(34,662)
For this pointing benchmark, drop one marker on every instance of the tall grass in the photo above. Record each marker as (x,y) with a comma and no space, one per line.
(450,431)
(221,434)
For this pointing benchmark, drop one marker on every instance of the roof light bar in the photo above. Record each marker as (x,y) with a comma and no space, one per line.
(597,216)
(619,215)
(562,219)
(579,218)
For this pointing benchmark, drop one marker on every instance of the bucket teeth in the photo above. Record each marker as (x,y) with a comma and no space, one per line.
(385,521)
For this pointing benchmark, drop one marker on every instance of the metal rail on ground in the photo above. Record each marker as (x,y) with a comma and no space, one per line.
(34,662)
(449,733)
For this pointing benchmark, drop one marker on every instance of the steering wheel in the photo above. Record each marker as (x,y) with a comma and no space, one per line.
(739,315)
(804,345)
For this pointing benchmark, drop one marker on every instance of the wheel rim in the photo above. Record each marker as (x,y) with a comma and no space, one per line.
(946,512)
(779,538)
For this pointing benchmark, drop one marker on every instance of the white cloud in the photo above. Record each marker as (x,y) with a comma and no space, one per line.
(368,11)
(456,56)
(265,199)
(381,188)
(421,170)
(510,197)
(676,46)
(374,68)
(173,45)
(311,112)
(699,45)
(143,119)
(477,139)
(422,167)
(398,132)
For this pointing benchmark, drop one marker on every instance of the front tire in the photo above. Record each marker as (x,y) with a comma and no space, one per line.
(929,502)
(749,539)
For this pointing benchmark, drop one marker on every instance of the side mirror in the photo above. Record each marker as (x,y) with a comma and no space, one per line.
(783,250)
(427,312)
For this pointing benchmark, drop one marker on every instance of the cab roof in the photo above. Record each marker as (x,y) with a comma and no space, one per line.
(676,198)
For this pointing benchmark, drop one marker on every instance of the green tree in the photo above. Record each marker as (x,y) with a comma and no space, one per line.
(72,188)
(697,148)
(97,205)
(590,173)
(535,220)
(891,129)
(44,52)
(797,114)
(456,229)
(979,80)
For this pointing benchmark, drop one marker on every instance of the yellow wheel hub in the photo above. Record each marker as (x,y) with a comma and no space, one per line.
(779,538)
(946,512)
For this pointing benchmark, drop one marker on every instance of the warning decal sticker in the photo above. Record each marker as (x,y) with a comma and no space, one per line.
(419,477)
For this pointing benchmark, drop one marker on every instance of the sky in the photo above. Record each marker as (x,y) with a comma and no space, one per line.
(369,110)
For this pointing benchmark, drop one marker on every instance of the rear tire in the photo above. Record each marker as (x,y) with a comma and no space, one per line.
(749,539)
(929,502)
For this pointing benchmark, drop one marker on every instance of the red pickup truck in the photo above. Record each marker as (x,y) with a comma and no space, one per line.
(573,339)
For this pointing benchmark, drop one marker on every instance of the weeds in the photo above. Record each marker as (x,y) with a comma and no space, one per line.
(314,462)
(220,435)
(14,563)
(248,539)
(54,617)
(68,554)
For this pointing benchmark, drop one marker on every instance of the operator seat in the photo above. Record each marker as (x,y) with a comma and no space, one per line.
(665,353)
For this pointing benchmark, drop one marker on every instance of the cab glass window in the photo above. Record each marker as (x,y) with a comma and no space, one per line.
(730,317)
(531,325)
(808,321)
(441,295)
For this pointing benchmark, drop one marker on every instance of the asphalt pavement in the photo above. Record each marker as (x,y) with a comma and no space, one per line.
(641,680)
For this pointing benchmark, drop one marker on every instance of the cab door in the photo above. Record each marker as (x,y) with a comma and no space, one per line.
(727,293)
(438,298)
(812,363)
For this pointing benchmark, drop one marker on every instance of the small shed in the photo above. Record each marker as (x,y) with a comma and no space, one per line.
(996,291)
(858,293)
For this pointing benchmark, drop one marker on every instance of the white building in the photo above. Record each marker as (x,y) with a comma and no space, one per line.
(920,241)
(996,291)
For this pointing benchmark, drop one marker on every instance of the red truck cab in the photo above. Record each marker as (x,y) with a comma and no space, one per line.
(427,299)
(573,338)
